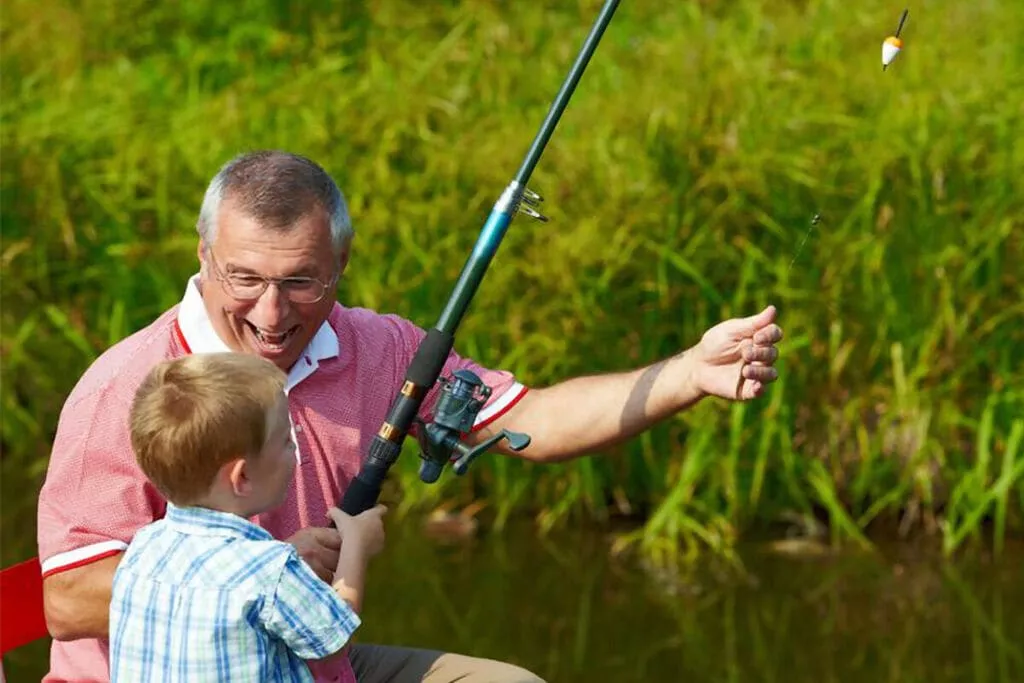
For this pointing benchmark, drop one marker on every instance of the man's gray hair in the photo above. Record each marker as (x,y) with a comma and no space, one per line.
(275,189)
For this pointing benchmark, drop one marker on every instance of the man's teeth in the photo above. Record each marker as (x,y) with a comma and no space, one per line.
(271,338)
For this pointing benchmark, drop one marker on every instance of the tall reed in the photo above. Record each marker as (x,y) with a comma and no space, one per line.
(681,185)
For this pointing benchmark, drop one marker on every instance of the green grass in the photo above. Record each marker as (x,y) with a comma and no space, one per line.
(681,183)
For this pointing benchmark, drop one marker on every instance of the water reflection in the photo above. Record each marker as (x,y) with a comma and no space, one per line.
(562,608)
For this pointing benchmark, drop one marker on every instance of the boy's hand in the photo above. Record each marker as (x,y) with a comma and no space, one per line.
(365,530)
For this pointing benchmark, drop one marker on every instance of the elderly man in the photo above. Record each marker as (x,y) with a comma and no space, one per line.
(274,238)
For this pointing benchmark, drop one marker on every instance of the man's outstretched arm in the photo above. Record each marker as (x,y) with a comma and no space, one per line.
(734,360)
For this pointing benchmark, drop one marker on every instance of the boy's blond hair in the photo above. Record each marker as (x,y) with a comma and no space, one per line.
(192,415)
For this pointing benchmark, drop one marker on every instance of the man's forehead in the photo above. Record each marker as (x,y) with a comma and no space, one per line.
(246,244)
(313,224)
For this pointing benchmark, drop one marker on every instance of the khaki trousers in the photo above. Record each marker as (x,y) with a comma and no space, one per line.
(387,664)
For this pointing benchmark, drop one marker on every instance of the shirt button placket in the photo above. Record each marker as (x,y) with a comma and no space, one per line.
(297,435)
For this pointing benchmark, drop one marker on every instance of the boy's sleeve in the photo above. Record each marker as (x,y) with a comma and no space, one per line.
(306,613)
(94,497)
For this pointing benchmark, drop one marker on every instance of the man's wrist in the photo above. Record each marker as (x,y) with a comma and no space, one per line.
(686,379)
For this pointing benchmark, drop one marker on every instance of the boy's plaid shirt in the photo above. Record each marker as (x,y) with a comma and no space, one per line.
(203,595)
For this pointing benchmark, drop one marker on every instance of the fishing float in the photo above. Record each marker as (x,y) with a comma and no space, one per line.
(892,45)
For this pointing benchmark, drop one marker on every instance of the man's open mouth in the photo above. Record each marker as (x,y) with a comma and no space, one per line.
(269,341)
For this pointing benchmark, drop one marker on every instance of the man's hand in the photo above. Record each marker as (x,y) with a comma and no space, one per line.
(319,547)
(735,358)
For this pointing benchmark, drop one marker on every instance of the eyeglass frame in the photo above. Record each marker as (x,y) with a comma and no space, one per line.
(225,282)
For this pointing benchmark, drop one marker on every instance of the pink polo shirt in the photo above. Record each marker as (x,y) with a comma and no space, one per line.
(95,497)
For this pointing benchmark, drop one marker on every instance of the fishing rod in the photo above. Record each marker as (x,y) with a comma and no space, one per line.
(463,394)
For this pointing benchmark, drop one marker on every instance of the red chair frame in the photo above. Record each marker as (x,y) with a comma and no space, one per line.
(22,619)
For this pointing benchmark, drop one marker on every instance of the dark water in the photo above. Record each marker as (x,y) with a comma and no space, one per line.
(561,607)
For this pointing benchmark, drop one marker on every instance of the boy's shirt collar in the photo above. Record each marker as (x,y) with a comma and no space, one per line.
(200,521)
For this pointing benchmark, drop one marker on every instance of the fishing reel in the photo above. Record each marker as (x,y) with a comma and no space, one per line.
(462,397)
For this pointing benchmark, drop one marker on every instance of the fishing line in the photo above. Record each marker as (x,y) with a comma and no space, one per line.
(800,247)
(810,228)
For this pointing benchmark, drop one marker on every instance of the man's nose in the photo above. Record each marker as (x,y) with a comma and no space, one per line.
(271,308)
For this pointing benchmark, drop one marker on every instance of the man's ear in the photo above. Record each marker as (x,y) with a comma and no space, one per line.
(237,474)
(201,255)
(343,259)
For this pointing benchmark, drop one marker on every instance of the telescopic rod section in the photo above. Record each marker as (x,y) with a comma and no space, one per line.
(464,394)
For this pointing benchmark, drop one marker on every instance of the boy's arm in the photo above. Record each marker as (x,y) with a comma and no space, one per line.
(350,578)
(362,537)
(349,583)
(307,614)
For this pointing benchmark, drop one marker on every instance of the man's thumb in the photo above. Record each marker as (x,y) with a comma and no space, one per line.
(753,323)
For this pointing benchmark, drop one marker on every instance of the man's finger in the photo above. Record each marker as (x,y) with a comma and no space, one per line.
(769,335)
(759,372)
(760,354)
(329,538)
(751,390)
(328,558)
(314,560)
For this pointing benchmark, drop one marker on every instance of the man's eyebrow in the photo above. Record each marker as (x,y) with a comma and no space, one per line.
(241,270)
(307,271)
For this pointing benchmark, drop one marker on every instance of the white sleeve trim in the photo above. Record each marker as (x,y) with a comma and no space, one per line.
(500,404)
(80,556)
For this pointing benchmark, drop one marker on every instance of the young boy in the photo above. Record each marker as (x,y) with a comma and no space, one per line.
(204,594)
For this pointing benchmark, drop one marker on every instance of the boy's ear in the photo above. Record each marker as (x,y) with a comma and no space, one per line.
(238,477)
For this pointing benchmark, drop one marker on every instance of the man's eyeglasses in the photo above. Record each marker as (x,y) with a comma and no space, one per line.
(250,287)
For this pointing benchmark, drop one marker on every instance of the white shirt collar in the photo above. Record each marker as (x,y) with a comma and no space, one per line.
(198,333)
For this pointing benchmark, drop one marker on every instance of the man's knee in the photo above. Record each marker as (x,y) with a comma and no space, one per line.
(456,667)
(510,673)
(390,664)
